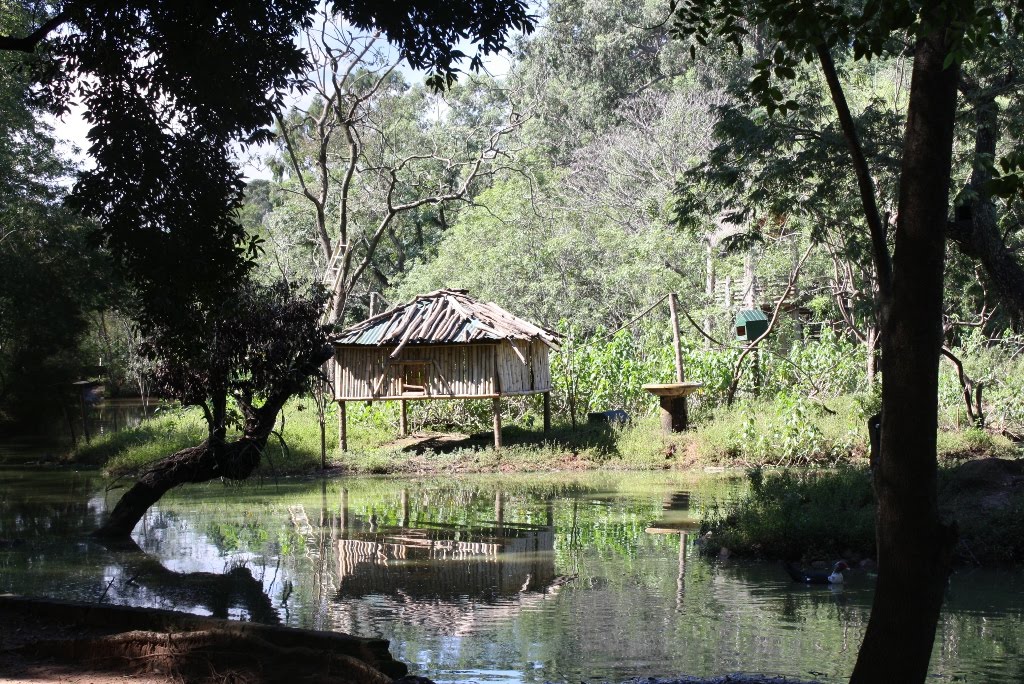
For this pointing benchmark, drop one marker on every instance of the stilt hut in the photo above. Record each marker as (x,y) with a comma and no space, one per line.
(442,345)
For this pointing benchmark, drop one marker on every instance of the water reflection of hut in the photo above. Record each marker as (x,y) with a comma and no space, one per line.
(445,561)
(443,345)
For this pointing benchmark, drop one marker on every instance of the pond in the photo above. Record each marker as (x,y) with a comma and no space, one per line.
(557,577)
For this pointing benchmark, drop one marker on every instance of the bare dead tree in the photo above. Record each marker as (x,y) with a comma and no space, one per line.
(357,171)
(635,166)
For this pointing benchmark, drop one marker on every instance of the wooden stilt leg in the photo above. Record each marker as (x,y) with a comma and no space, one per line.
(346,517)
(342,427)
(547,411)
(497,423)
(405,507)
(403,421)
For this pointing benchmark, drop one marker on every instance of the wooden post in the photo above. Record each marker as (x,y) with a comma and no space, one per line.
(673,414)
(85,418)
(403,421)
(547,412)
(497,423)
(346,517)
(71,424)
(342,427)
(324,515)
(674,406)
(681,577)
(675,336)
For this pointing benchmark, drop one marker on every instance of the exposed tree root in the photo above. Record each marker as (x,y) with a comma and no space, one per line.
(50,640)
(207,656)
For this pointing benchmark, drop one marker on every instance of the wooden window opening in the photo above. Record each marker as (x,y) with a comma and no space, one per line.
(414,377)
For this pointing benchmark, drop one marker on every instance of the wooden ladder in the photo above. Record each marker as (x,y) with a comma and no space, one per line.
(333,272)
(332,275)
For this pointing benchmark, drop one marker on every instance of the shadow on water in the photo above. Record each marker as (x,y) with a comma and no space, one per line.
(45,518)
(76,421)
(219,595)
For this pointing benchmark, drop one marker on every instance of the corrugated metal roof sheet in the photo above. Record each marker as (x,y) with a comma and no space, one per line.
(444,317)
(747,315)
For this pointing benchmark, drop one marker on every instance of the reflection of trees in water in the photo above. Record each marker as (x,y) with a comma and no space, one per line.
(141,579)
(430,573)
(624,581)
(45,506)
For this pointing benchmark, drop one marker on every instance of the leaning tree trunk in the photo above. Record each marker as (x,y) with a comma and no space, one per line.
(201,463)
(914,547)
(214,458)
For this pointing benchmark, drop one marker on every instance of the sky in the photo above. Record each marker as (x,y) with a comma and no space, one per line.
(71,129)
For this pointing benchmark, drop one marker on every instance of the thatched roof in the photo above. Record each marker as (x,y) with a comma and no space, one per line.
(444,317)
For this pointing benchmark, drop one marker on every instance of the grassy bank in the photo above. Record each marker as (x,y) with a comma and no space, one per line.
(824,515)
(779,432)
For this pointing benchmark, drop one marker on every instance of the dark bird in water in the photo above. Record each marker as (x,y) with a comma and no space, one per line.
(817,576)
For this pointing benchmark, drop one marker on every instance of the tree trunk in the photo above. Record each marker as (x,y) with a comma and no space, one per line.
(213,458)
(709,288)
(871,348)
(914,547)
(977,234)
(201,463)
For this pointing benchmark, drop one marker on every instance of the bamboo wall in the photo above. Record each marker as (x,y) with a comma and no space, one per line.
(516,377)
(444,371)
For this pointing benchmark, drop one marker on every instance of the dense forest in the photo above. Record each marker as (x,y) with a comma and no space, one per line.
(575,182)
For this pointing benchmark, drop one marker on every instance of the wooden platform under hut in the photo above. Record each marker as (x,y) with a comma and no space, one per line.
(443,345)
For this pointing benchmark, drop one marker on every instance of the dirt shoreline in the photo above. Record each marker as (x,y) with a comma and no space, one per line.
(70,642)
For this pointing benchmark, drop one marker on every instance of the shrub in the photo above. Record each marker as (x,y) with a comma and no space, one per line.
(791,515)
(784,431)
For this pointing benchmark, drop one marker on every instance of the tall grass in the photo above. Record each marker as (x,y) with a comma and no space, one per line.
(780,431)
(828,514)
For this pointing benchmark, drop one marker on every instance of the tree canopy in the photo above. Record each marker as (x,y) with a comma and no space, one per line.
(168,90)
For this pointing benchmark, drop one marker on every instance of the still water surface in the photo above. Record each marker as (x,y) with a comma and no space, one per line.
(488,579)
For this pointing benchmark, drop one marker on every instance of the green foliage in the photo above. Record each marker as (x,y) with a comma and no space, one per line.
(50,280)
(128,451)
(792,515)
(826,515)
(974,443)
(608,373)
(826,367)
(544,263)
(998,366)
(789,430)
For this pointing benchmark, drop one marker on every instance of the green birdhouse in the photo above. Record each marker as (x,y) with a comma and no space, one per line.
(750,324)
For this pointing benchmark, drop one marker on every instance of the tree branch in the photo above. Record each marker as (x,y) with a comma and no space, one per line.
(876,227)
(738,368)
(29,42)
